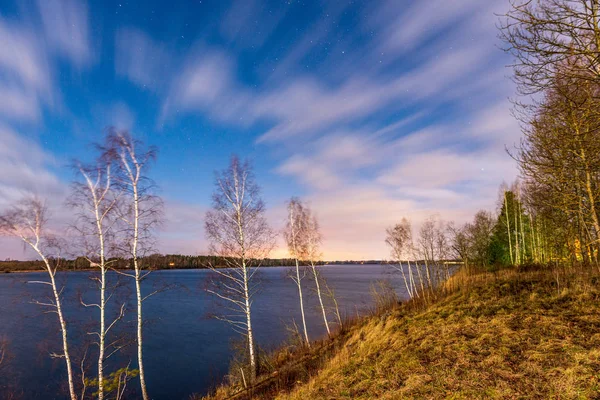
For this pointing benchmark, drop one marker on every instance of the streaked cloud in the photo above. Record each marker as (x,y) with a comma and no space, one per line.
(66,29)
(402,115)
(25,79)
(141,59)
(26,171)
(245,16)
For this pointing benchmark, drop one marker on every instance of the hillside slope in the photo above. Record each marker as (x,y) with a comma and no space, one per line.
(512,334)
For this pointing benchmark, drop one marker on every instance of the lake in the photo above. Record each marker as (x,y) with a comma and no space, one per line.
(185,350)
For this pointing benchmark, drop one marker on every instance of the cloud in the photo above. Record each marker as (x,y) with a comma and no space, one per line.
(496,124)
(25,168)
(333,159)
(120,116)
(403,28)
(66,29)
(206,80)
(245,16)
(25,172)
(311,173)
(21,57)
(183,232)
(207,83)
(443,168)
(403,115)
(353,220)
(24,73)
(360,183)
(140,59)
(307,106)
(444,155)
(18,104)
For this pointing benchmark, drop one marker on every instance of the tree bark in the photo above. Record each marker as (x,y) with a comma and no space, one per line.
(508,229)
(63,323)
(298,282)
(316,275)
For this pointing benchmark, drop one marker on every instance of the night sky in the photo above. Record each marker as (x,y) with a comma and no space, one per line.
(369,110)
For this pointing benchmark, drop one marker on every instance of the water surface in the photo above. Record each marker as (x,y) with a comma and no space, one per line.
(185,350)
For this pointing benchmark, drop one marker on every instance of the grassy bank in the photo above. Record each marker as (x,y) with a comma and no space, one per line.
(517,333)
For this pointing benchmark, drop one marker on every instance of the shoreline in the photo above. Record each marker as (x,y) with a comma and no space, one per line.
(6,272)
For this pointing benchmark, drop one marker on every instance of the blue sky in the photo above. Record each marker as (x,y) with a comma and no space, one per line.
(370,110)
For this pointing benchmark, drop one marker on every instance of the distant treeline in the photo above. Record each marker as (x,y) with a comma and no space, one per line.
(168,261)
(155,262)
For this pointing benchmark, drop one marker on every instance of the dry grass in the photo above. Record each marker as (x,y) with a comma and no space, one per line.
(529,333)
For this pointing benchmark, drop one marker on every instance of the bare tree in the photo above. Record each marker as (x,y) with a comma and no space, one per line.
(510,251)
(545,34)
(313,254)
(141,212)
(304,240)
(480,236)
(295,237)
(27,221)
(238,232)
(442,247)
(399,238)
(432,246)
(330,293)
(460,242)
(555,45)
(95,200)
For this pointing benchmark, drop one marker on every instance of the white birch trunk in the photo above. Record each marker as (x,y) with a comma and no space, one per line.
(428,273)
(134,179)
(253,364)
(138,292)
(420,277)
(411,277)
(138,289)
(523,240)
(406,281)
(512,261)
(100,231)
(517,250)
(31,218)
(63,323)
(295,230)
(316,275)
(251,350)
(299,284)
(102,337)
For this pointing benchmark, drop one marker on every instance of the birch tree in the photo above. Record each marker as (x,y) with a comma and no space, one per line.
(27,221)
(95,200)
(312,255)
(238,232)
(399,239)
(560,156)
(140,212)
(555,46)
(432,246)
(330,294)
(512,262)
(295,236)
(304,239)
